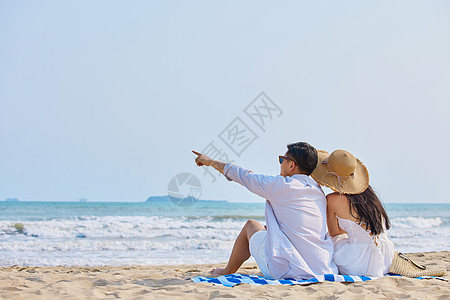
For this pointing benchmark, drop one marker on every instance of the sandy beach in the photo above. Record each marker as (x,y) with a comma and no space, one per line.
(169,282)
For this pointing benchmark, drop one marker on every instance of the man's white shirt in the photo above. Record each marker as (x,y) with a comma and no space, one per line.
(298,244)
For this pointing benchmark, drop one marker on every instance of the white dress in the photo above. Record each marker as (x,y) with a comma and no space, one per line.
(359,253)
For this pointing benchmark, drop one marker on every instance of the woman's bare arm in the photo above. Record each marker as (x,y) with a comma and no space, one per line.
(334,203)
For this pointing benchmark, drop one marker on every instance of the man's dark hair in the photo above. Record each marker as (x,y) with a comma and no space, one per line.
(304,155)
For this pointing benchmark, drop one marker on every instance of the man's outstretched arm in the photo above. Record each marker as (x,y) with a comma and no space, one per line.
(203,160)
(259,184)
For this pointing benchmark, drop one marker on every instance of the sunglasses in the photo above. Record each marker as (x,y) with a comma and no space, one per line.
(281,158)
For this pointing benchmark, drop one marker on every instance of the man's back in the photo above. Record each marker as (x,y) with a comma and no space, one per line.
(297,241)
(297,230)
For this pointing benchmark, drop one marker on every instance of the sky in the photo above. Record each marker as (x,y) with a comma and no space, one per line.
(106,99)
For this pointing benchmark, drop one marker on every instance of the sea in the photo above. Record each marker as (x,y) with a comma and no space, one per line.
(96,234)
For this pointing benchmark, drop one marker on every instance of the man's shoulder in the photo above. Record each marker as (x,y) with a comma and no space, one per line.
(300,183)
(306,180)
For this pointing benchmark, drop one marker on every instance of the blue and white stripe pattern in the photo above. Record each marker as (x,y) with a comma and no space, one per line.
(235,279)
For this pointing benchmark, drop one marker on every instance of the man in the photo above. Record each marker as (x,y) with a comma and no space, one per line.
(296,243)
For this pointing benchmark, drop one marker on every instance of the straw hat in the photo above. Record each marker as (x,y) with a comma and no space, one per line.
(341,172)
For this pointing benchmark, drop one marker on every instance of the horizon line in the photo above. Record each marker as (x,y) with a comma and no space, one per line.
(121,201)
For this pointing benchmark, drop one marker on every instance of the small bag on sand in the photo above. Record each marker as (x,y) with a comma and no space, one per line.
(403,265)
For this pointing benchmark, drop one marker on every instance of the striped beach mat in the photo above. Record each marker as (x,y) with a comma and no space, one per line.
(235,279)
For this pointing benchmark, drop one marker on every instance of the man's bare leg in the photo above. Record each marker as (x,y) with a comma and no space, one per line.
(241,250)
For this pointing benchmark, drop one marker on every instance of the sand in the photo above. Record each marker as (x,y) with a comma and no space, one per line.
(171,282)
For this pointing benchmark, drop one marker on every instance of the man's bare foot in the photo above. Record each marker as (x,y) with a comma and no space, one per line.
(219,271)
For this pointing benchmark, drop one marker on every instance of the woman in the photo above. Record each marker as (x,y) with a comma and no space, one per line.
(356,219)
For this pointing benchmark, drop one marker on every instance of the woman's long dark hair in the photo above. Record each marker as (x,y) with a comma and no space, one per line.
(369,210)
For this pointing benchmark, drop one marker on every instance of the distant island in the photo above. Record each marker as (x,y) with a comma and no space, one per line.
(11,200)
(167,199)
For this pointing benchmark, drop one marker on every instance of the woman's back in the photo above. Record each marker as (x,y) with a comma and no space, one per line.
(356,219)
(358,248)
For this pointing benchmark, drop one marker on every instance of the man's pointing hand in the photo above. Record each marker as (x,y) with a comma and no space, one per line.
(202,160)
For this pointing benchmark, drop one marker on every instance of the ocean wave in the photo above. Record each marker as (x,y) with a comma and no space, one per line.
(421,244)
(111,258)
(38,245)
(123,227)
(231,217)
(416,222)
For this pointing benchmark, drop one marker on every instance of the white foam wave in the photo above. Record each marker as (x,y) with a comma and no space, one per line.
(112,245)
(106,234)
(421,244)
(416,222)
(123,227)
(120,258)
(126,240)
